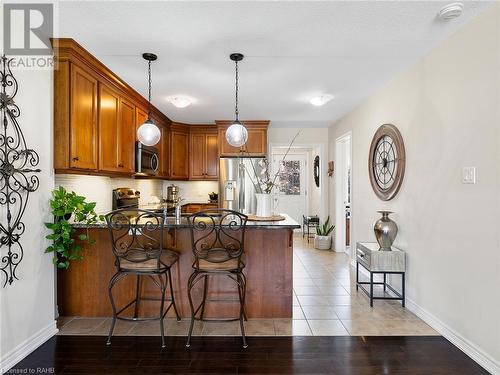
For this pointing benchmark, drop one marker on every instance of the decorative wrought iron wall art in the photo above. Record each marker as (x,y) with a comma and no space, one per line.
(17,175)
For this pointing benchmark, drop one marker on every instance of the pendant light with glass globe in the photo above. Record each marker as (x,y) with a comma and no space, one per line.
(148,133)
(236,133)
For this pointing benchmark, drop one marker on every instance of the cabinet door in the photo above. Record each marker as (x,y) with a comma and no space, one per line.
(256,144)
(179,155)
(211,157)
(83,120)
(140,117)
(109,115)
(126,139)
(164,147)
(197,156)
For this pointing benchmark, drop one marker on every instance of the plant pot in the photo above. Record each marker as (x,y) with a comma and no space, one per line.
(322,242)
(264,205)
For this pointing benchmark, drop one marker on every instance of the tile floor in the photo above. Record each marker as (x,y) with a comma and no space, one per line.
(326,303)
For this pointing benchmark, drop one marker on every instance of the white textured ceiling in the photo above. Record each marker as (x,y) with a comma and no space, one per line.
(293,50)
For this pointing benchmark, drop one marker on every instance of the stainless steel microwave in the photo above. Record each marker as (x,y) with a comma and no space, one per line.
(147,160)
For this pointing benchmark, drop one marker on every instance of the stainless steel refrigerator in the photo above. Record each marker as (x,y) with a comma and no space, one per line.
(236,183)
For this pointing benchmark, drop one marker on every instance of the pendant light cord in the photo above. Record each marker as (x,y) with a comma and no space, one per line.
(236,96)
(149,89)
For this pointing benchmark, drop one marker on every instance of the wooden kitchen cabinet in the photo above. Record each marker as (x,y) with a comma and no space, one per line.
(127,134)
(192,208)
(164,148)
(179,151)
(140,118)
(95,115)
(83,119)
(116,132)
(109,114)
(257,139)
(204,154)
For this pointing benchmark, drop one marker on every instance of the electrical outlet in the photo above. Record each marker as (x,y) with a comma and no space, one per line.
(469,175)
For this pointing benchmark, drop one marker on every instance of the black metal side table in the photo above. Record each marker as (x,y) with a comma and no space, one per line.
(385,263)
(309,222)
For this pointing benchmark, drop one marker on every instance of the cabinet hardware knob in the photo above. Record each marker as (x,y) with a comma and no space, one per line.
(120,165)
(76,158)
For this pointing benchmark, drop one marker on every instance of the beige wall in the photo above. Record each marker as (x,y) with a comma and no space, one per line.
(447,108)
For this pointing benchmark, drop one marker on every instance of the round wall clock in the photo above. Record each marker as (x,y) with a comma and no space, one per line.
(316,170)
(386,162)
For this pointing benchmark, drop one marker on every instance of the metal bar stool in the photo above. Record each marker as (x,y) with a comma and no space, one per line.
(217,238)
(137,243)
(309,222)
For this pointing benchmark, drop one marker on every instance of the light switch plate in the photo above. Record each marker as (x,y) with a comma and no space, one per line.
(469,175)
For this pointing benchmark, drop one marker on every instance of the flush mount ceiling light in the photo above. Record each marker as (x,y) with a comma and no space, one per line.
(318,101)
(180,101)
(148,133)
(451,11)
(236,133)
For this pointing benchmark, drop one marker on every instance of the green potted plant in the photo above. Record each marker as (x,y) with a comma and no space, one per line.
(322,238)
(65,205)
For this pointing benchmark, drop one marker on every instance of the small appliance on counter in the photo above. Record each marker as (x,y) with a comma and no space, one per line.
(147,160)
(172,193)
(213,197)
(125,198)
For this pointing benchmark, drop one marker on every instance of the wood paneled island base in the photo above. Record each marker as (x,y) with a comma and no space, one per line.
(83,288)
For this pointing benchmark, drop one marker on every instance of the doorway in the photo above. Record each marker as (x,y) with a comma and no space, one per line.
(343,196)
(291,194)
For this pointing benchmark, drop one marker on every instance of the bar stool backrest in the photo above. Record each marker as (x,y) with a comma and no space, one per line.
(218,235)
(136,236)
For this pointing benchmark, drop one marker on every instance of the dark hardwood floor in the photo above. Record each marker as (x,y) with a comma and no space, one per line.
(265,355)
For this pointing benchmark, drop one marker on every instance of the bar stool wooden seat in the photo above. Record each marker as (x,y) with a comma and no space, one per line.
(137,243)
(218,238)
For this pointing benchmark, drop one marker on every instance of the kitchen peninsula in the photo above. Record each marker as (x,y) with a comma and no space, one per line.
(83,288)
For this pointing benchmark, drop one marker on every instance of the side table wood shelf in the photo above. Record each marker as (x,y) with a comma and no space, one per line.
(386,263)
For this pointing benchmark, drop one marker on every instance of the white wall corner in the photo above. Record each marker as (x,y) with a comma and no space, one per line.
(469,348)
(27,346)
(466,346)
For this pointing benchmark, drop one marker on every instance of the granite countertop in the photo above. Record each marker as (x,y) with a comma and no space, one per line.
(171,222)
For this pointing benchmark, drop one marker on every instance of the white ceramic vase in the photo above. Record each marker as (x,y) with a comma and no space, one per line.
(322,242)
(264,205)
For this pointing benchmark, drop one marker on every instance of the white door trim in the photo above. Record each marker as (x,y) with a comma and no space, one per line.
(323,186)
(302,151)
(340,183)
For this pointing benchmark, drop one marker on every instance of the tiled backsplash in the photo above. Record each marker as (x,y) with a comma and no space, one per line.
(194,191)
(98,189)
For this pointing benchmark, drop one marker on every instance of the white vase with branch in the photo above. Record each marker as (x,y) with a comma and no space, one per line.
(265,183)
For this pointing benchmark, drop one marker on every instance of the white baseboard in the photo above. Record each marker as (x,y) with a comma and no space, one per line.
(469,348)
(25,348)
(477,354)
